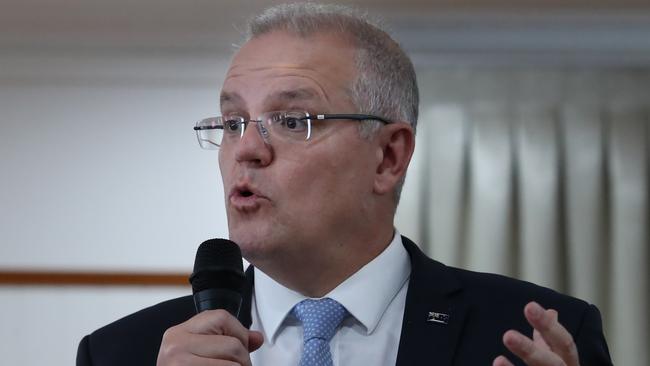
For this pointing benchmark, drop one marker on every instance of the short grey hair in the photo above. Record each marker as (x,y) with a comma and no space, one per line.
(385,85)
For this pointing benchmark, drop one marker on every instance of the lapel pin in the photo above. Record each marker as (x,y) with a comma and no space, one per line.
(438,317)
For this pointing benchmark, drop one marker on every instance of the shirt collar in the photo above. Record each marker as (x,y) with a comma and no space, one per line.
(366,294)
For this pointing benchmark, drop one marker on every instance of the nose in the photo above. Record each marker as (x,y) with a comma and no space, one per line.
(252,148)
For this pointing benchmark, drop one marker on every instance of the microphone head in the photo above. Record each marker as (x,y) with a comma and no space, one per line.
(218,264)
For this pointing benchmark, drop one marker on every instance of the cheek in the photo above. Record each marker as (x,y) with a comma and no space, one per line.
(325,184)
(222,167)
(225,168)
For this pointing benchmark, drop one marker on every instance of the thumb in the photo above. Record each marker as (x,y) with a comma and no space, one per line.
(255,340)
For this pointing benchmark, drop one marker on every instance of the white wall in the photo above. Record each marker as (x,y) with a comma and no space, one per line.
(100,171)
(100,165)
(43,325)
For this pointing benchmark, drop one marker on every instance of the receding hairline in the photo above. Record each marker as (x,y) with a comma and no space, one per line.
(385,82)
(300,92)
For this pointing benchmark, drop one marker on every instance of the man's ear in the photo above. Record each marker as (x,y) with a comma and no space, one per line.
(396,142)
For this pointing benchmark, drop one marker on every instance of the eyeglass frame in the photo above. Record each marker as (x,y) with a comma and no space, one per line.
(320,117)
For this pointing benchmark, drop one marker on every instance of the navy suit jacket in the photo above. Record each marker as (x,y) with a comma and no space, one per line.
(474,310)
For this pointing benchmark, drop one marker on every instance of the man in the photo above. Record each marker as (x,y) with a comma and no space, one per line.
(319,110)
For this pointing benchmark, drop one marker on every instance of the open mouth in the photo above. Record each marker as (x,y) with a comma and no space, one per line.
(245,198)
(245,193)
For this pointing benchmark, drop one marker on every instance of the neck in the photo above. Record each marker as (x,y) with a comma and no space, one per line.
(317,275)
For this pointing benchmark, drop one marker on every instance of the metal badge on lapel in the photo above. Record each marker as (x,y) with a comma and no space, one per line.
(438,317)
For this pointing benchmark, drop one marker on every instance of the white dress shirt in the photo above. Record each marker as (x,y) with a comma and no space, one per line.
(374,296)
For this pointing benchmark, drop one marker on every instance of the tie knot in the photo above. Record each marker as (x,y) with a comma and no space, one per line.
(319,318)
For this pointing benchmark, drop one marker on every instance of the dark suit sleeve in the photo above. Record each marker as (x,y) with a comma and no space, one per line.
(590,340)
(135,339)
(83,352)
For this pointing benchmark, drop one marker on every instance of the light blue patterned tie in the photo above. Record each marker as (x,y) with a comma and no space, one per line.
(320,319)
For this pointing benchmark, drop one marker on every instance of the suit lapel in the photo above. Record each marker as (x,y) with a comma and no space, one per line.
(433,294)
(245,312)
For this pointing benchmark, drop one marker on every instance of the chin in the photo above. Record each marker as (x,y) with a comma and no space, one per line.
(254,245)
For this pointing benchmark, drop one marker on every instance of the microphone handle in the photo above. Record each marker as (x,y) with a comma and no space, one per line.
(218,298)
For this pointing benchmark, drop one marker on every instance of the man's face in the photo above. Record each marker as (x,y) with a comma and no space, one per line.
(286,201)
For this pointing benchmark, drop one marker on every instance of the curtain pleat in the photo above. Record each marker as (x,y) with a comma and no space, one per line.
(538,171)
(541,175)
(629,233)
(490,212)
(446,200)
(586,203)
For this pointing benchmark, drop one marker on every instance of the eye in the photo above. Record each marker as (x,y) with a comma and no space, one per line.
(293,121)
(232,124)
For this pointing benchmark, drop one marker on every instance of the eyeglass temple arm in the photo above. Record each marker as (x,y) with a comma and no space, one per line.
(357,117)
(200,128)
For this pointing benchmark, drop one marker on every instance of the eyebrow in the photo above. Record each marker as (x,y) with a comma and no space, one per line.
(226,97)
(294,95)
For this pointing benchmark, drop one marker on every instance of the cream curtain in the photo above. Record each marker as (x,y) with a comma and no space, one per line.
(541,175)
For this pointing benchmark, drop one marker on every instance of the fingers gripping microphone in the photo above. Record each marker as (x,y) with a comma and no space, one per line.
(218,277)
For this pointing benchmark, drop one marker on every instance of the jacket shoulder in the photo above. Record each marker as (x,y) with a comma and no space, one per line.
(499,287)
(134,339)
(491,304)
(487,291)
(499,299)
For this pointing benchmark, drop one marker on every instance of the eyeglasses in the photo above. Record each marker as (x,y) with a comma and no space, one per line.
(282,126)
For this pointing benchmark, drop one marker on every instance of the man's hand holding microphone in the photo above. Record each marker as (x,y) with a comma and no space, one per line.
(214,336)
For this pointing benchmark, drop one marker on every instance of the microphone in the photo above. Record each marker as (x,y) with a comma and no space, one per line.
(218,276)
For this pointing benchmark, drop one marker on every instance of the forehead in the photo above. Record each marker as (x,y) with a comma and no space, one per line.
(283,66)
